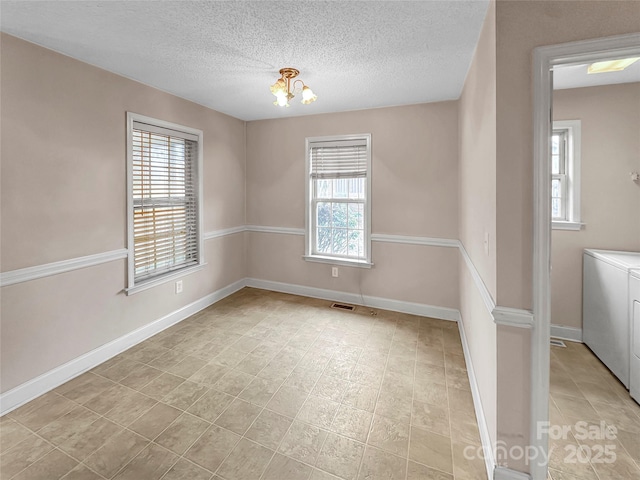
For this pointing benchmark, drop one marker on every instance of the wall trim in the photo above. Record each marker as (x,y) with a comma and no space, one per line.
(442,313)
(477,279)
(412,240)
(503,473)
(223,232)
(40,385)
(512,317)
(48,269)
(40,271)
(55,268)
(375,237)
(281,230)
(485,437)
(571,334)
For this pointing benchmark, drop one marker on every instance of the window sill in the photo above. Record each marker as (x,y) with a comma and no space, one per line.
(338,261)
(575,226)
(154,282)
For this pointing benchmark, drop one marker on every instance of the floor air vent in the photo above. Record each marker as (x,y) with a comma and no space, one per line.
(343,306)
(558,343)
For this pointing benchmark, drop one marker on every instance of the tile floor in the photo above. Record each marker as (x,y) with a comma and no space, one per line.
(264,386)
(584,390)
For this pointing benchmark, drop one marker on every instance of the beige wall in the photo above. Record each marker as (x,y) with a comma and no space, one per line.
(414,192)
(477,214)
(610,201)
(64,196)
(522,26)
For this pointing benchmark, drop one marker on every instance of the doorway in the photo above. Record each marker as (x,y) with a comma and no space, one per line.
(545,59)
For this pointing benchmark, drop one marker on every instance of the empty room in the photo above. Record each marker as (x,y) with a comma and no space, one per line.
(312,240)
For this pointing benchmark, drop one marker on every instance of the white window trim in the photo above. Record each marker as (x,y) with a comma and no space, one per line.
(308,221)
(573,160)
(132,286)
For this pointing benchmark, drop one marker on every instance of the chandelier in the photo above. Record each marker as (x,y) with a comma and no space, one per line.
(284,89)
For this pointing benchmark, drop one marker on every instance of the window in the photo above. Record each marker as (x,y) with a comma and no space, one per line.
(164,162)
(565,175)
(338,200)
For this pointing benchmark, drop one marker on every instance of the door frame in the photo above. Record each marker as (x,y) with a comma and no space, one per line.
(544,59)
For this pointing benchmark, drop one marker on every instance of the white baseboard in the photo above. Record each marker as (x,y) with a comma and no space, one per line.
(442,313)
(502,473)
(40,385)
(485,438)
(571,334)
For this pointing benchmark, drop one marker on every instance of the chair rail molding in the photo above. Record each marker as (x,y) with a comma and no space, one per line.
(224,232)
(48,269)
(40,271)
(512,317)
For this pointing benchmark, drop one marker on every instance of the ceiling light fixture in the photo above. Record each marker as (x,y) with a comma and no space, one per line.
(611,65)
(284,90)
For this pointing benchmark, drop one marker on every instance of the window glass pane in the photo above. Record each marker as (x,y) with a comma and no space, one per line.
(323,240)
(340,188)
(323,188)
(340,241)
(356,215)
(555,154)
(555,164)
(556,210)
(558,153)
(340,215)
(555,144)
(324,214)
(356,243)
(557,199)
(356,188)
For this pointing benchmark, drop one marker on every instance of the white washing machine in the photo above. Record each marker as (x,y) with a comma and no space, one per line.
(634,309)
(606,313)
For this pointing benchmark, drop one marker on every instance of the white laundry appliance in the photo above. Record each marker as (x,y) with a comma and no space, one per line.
(634,308)
(606,308)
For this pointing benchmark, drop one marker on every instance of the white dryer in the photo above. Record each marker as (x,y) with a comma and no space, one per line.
(634,309)
(606,314)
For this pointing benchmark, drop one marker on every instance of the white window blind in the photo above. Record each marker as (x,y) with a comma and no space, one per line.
(340,159)
(165,200)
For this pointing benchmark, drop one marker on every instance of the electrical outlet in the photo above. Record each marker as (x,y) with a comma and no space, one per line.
(179,286)
(334,272)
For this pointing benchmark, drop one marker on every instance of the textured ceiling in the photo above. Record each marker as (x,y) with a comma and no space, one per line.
(225,55)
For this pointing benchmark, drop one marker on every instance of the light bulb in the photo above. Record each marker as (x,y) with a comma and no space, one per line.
(282,100)
(308,95)
(279,88)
